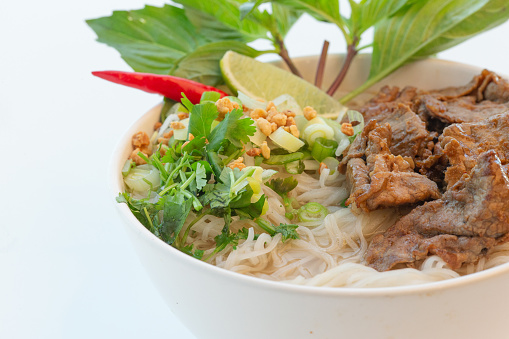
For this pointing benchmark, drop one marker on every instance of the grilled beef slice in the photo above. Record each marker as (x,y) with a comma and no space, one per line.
(377,178)
(470,218)
(462,144)
(486,95)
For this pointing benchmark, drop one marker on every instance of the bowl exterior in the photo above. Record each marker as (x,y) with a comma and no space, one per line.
(215,303)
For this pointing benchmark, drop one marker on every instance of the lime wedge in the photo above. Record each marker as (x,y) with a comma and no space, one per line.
(266,82)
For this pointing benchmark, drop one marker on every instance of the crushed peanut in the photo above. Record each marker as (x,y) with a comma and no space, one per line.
(279,119)
(136,158)
(162,151)
(239,163)
(287,128)
(225,106)
(253,152)
(191,136)
(270,105)
(309,112)
(169,134)
(163,141)
(265,150)
(157,125)
(274,126)
(183,115)
(290,114)
(264,126)
(290,121)
(271,113)
(177,125)
(347,129)
(294,130)
(258,113)
(140,139)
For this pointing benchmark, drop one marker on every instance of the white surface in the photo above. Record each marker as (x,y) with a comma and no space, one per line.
(67,268)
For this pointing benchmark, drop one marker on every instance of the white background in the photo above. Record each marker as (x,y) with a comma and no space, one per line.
(67,269)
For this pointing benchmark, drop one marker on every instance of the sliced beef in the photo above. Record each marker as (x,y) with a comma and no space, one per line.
(457,110)
(463,143)
(485,86)
(486,95)
(386,101)
(377,178)
(409,135)
(470,218)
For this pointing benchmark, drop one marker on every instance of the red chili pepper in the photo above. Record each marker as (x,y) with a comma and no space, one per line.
(167,85)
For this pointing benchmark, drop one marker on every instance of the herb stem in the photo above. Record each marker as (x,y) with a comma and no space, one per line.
(283,53)
(182,241)
(321,65)
(350,55)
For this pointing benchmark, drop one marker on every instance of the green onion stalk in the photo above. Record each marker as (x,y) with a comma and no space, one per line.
(312,211)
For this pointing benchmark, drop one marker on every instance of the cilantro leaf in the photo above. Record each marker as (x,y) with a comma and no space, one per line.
(253,210)
(175,209)
(288,231)
(189,250)
(282,186)
(201,176)
(233,129)
(201,118)
(143,210)
(186,102)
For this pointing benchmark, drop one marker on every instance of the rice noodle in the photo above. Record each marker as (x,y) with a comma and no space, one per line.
(329,252)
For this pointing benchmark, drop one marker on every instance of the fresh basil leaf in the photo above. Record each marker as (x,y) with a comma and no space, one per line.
(494,13)
(248,7)
(368,13)
(323,10)
(202,65)
(151,39)
(228,13)
(285,18)
(164,41)
(400,37)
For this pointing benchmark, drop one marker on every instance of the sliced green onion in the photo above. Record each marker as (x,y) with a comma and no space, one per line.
(283,159)
(331,163)
(294,167)
(286,102)
(354,116)
(312,211)
(181,134)
(168,104)
(127,167)
(250,102)
(258,160)
(312,132)
(143,178)
(258,137)
(210,96)
(323,148)
(311,165)
(286,140)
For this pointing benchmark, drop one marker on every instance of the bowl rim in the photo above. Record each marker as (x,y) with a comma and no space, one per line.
(425,288)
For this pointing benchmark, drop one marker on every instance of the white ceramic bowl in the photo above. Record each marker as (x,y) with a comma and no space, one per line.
(216,303)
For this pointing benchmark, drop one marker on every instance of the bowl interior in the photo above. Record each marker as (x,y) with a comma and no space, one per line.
(425,74)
